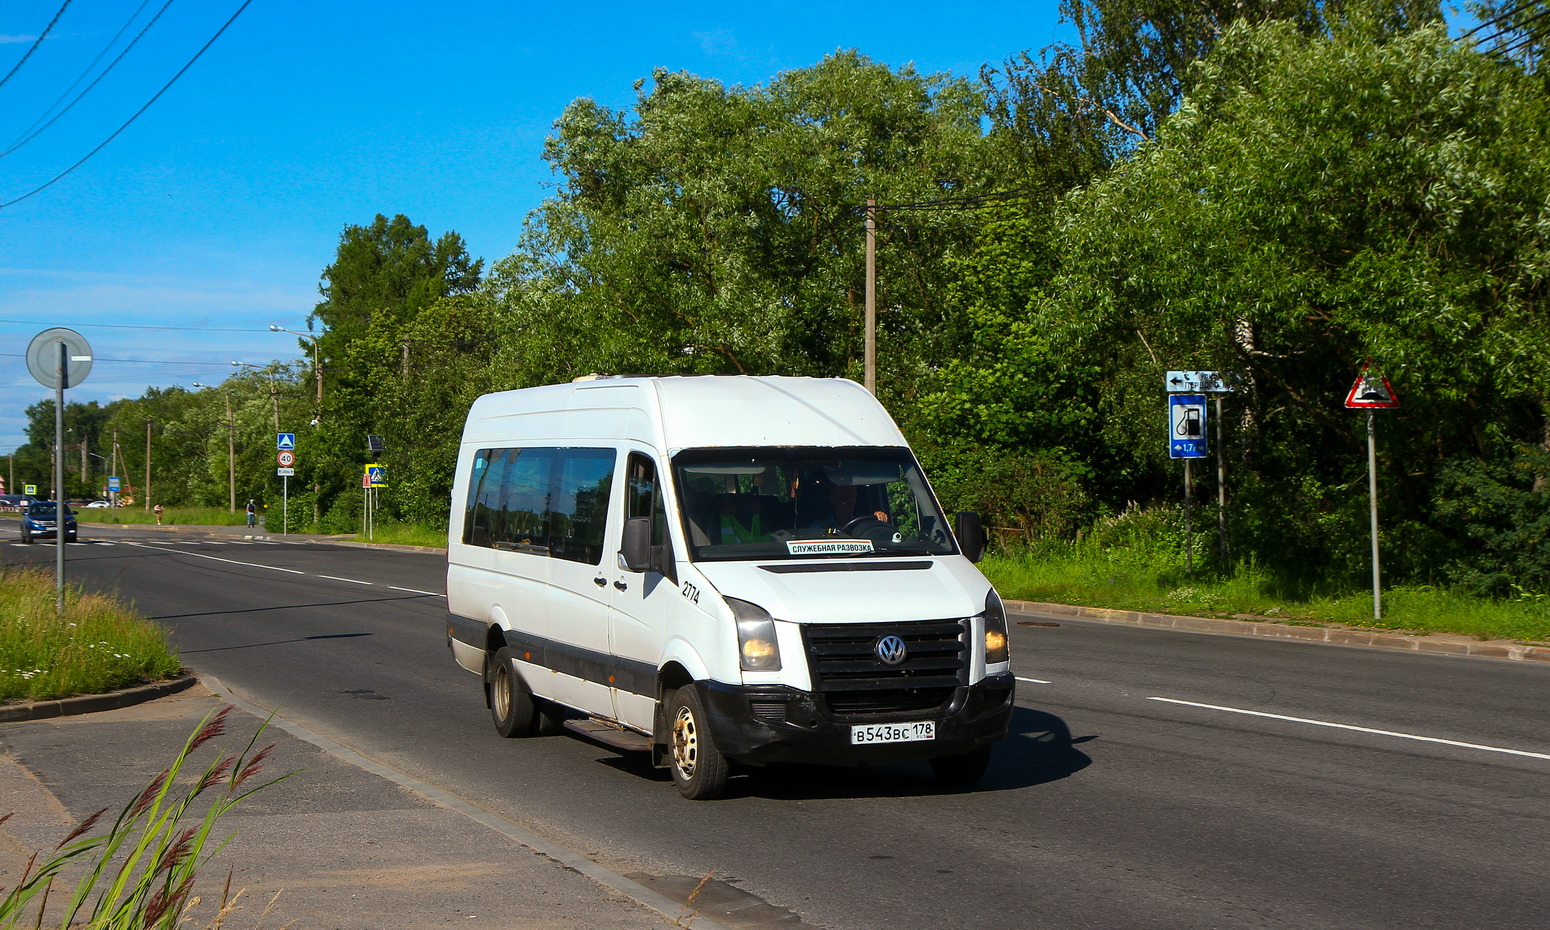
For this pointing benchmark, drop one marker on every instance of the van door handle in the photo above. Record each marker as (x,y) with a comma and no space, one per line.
(621,586)
(600,581)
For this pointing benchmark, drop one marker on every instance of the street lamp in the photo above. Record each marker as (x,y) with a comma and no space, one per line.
(231,445)
(317,369)
(274,392)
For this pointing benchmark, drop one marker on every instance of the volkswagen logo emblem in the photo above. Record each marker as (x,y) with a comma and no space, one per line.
(890,650)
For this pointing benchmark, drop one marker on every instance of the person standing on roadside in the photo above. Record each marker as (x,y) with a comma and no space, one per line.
(252,513)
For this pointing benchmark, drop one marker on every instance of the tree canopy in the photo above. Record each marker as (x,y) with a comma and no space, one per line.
(1282,189)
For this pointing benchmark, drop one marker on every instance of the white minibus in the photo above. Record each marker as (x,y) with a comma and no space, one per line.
(721,570)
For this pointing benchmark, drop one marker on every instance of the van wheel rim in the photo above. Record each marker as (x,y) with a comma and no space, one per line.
(501,692)
(686,743)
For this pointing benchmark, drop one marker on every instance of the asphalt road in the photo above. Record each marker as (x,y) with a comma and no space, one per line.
(1153,779)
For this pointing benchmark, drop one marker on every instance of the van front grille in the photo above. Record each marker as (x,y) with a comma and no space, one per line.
(853,682)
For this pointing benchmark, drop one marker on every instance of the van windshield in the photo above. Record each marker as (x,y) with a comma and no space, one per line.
(807,503)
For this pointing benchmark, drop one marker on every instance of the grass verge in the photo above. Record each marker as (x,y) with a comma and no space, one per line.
(405,534)
(96,645)
(1132,579)
(172,516)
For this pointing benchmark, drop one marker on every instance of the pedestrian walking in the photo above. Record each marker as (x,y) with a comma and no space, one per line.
(157,509)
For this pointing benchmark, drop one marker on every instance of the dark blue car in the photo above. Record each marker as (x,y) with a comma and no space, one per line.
(41,519)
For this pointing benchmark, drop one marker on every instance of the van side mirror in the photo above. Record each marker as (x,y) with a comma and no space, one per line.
(637,544)
(971,535)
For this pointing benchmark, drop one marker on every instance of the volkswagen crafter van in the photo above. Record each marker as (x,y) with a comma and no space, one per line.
(721,570)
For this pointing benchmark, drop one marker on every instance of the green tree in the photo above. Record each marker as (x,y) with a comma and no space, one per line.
(383,278)
(719,230)
(1320,201)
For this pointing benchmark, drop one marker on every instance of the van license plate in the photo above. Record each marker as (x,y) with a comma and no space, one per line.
(893,732)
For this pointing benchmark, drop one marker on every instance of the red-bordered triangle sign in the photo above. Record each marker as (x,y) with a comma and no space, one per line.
(1371,390)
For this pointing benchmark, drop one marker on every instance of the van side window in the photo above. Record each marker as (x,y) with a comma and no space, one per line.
(578,495)
(540,501)
(645,496)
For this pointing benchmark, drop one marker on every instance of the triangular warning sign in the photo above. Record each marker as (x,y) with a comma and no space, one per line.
(1371,390)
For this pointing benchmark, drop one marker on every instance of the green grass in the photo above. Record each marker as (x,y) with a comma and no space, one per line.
(1144,579)
(179,516)
(95,646)
(405,534)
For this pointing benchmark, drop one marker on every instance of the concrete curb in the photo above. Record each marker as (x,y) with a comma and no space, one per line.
(92,703)
(1334,634)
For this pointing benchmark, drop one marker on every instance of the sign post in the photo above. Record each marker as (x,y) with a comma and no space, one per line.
(1217,383)
(1372,392)
(59,358)
(1187,441)
(285,448)
(374,477)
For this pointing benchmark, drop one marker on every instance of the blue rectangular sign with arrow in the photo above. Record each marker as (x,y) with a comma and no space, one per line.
(1187,426)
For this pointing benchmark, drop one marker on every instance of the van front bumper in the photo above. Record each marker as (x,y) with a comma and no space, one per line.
(762,724)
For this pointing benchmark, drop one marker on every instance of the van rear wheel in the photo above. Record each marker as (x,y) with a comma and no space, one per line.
(512,705)
(699,769)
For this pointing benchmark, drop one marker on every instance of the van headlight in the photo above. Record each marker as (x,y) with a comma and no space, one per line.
(997,649)
(756,646)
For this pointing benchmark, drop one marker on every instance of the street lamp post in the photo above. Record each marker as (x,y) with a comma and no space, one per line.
(317,369)
(231,445)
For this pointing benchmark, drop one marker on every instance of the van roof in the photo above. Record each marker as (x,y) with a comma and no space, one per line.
(686,412)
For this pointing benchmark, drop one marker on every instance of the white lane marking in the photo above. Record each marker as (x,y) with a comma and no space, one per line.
(293,571)
(1033,681)
(347,580)
(1356,729)
(200,555)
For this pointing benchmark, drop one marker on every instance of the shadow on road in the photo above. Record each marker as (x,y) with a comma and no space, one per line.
(1038,749)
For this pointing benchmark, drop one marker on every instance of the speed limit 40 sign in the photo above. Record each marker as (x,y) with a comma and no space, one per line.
(286,458)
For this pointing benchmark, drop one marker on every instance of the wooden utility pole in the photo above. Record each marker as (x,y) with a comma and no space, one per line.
(147,464)
(870,361)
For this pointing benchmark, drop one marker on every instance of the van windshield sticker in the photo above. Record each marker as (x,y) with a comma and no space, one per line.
(829,546)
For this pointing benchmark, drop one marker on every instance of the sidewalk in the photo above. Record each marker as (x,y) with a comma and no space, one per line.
(343,847)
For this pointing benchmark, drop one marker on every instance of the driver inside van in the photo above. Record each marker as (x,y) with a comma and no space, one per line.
(842,509)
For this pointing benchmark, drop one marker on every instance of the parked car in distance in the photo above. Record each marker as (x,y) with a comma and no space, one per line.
(41,519)
(98,505)
(14,502)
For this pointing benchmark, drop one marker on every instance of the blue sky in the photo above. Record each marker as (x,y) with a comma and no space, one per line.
(212,215)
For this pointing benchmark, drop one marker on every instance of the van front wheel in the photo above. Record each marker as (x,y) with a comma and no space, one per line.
(699,769)
(511,703)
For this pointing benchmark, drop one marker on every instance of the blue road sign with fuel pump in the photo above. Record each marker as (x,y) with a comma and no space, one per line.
(1187,426)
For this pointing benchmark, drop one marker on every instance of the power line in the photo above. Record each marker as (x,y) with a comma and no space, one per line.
(134,361)
(61,175)
(180,329)
(1517,26)
(41,36)
(34,133)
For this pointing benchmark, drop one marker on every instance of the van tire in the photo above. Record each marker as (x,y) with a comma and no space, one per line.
(512,706)
(963,769)
(699,769)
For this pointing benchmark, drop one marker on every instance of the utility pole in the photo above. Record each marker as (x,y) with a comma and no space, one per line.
(870,358)
(147,464)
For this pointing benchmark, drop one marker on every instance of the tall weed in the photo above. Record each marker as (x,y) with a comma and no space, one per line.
(140,874)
